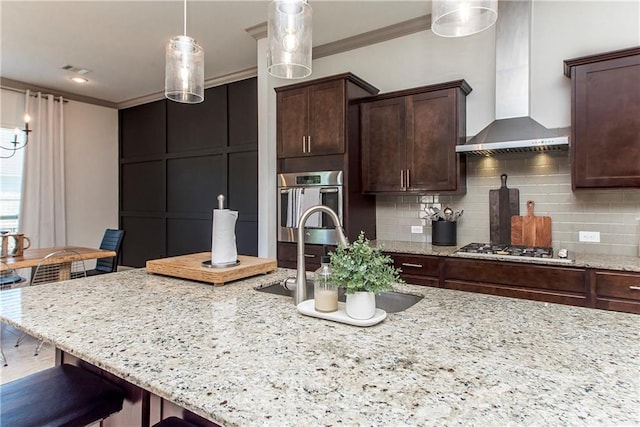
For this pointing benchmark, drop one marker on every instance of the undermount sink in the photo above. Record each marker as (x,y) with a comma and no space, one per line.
(391,302)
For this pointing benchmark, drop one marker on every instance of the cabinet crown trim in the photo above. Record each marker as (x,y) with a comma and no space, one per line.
(454,84)
(344,76)
(570,63)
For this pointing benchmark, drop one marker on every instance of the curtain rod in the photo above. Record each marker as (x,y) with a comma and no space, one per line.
(23,91)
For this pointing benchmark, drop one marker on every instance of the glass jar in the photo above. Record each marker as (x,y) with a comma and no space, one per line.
(324,291)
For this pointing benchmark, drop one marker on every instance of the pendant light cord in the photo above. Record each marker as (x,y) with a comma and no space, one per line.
(185,17)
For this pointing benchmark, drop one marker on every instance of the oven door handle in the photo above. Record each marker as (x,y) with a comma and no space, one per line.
(328,190)
(322,190)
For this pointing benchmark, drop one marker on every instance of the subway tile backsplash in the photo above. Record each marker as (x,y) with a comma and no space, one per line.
(544,178)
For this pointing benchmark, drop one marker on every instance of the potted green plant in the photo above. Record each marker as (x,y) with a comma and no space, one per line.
(362,271)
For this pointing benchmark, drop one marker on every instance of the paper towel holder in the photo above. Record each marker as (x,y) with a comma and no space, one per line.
(208,263)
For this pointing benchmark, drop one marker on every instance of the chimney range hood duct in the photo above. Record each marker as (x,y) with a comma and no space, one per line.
(513,130)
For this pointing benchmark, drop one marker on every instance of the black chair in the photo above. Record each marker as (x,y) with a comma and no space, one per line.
(8,277)
(64,395)
(111,241)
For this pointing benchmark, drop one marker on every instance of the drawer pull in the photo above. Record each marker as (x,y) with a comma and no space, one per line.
(309,256)
(408,264)
(634,288)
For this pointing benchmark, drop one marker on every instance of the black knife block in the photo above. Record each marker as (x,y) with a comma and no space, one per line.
(443,233)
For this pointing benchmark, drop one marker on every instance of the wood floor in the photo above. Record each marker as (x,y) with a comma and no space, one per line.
(20,360)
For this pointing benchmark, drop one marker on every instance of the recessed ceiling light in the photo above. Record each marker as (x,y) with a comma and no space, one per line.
(79,80)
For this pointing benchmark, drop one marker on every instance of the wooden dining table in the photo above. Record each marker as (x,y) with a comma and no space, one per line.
(32,257)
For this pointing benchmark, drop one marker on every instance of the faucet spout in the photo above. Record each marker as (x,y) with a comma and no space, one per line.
(301,274)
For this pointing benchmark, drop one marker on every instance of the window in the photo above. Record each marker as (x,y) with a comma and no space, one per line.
(10,183)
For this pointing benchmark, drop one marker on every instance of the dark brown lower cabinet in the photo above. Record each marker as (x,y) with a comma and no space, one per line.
(417,269)
(618,291)
(535,282)
(288,255)
(584,287)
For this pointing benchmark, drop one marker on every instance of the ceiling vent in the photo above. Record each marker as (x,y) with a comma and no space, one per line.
(76,70)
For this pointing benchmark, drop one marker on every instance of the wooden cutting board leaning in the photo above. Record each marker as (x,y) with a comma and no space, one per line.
(503,204)
(531,230)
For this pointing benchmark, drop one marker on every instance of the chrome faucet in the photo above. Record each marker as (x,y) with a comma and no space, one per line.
(300,293)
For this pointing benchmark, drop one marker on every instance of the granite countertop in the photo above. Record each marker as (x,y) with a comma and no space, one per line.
(246,358)
(582,260)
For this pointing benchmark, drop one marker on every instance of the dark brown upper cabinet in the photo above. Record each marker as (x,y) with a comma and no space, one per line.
(605,119)
(409,138)
(312,116)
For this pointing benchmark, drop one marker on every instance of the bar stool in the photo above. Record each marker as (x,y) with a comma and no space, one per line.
(174,422)
(64,395)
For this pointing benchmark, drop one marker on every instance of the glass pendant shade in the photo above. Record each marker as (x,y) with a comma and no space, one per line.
(289,39)
(184,71)
(459,18)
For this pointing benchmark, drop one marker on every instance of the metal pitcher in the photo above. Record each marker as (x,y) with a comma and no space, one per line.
(13,244)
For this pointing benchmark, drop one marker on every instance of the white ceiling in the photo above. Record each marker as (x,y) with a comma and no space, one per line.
(123,42)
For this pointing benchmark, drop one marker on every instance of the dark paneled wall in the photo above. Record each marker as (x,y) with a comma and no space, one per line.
(174,161)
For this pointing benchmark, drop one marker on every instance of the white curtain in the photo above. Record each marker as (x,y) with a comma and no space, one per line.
(42,215)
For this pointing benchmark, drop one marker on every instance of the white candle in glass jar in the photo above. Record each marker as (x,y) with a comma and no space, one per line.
(326,300)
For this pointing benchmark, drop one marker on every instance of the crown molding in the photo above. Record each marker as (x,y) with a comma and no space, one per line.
(258,31)
(11,84)
(215,81)
(401,29)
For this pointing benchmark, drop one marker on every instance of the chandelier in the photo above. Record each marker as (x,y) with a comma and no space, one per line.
(13,146)
(459,18)
(184,68)
(289,39)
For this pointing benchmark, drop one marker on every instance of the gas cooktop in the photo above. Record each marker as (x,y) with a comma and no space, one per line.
(511,251)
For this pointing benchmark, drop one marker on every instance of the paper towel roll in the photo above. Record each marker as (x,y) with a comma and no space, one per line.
(223,239)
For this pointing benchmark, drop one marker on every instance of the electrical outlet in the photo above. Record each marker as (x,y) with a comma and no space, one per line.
(416,229)
(589,236)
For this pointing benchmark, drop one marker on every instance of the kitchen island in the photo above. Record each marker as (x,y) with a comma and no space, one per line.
(244,358)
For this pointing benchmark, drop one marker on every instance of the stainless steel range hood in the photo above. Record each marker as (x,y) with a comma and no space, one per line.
(513,130)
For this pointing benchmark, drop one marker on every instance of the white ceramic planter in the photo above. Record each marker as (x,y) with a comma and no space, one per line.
(361,305)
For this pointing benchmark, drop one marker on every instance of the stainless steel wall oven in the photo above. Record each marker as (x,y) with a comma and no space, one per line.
(297,192)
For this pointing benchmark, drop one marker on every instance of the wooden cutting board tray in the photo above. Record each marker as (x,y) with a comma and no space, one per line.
(190,267)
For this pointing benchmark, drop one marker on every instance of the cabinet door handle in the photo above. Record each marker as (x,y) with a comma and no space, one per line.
(634,288)
(408,181)
(408,264)
(309,256)
(401,179)
(309,144)
(304,144)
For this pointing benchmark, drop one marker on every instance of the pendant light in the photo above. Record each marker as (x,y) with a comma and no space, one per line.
(289,39)
(459,18)
(184,68)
